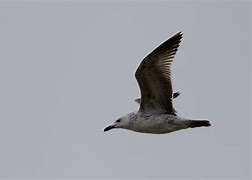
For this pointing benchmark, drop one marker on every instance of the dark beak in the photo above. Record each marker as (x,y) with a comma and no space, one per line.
(109,127)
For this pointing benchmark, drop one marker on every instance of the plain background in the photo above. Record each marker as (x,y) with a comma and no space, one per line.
(67,71)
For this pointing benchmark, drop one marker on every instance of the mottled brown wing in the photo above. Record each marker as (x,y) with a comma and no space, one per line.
(154,78)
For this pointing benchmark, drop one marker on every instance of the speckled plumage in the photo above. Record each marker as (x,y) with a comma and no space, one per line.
(155,123)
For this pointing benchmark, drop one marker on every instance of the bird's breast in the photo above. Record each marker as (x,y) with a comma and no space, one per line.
(156,124)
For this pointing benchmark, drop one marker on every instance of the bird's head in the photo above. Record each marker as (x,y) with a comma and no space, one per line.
(122,122)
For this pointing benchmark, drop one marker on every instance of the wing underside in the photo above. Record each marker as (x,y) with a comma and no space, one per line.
(154,77)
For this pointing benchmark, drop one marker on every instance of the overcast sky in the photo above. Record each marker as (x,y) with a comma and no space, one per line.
(67,71)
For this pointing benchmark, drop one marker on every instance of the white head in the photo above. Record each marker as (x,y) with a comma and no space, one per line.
(123,122)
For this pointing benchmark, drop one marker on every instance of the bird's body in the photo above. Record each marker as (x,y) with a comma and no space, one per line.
(155,123)
(158,123)
(156,114)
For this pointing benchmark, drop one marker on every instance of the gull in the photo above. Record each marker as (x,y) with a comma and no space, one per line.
(156,114)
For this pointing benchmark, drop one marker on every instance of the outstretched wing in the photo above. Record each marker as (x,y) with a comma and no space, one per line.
(154,77)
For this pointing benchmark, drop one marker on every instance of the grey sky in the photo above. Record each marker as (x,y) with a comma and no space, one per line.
(67,71)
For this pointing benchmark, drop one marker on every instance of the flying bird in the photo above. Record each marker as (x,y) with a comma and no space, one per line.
(156,113)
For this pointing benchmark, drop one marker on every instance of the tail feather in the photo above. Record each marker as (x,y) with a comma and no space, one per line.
(199,123)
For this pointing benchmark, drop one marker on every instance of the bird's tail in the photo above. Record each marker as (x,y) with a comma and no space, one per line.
(199,123)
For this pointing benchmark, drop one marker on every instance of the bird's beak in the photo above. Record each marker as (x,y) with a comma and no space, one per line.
(109,128)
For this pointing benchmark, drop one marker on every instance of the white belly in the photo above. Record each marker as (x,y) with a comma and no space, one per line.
(158,124)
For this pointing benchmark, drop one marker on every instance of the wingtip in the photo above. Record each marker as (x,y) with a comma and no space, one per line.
(180,33)
(178,36)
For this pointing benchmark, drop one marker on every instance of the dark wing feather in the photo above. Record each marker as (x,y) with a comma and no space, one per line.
(154,78)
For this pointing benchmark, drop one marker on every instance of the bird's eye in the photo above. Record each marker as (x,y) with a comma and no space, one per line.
(118,120)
